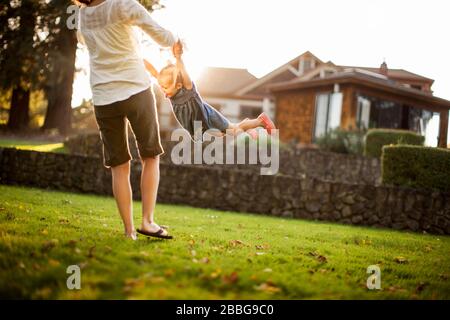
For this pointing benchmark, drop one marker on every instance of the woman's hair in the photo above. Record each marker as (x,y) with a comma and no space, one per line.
(170,69)
(86,2)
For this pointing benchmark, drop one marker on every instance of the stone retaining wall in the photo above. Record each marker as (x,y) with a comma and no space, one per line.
(293,161)
(242,191)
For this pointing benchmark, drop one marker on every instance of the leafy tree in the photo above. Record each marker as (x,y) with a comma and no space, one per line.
(19,57)
(38,52)
(61,46)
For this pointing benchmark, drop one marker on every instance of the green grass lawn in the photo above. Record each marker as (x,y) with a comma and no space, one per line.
(34,145)
(215,255)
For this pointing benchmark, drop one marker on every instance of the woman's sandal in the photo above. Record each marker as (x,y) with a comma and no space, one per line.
(157,234)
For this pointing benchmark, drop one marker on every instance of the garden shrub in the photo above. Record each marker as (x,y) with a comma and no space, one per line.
(376,139)
(416,167)
(342,141)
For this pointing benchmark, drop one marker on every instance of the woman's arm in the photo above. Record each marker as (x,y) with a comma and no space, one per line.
(135,13)
(178,52)
(151,69)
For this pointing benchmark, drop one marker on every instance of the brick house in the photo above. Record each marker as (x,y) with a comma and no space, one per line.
(317,97)
(308,97)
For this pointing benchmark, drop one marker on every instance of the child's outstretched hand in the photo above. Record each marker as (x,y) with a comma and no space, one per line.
(177,49)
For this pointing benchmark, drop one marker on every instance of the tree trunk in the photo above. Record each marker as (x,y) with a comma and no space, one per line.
(19,117)
(59,89)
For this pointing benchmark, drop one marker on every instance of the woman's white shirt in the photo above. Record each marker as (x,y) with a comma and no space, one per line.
(117,70)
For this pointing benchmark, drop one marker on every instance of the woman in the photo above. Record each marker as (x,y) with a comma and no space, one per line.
(122,93)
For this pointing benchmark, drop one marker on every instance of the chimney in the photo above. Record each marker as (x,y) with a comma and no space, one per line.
(384,68)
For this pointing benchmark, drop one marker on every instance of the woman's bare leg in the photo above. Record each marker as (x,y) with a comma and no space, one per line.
(149,192)
(149,189)
(123,195)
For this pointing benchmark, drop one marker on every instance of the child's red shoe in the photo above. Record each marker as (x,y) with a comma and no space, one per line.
(268,124)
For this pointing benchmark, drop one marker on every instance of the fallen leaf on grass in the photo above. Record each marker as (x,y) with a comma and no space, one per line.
(401,260)
(216,274)
(231,278)
(262,247)
(64,221)
(444,276)
(72,243)
(319,257)
(91,252)
(48,245)
(43,293)
(53,263)
(394,289)
(204,260)
(169,272)
(131,284)
(421,287)
(236,243)
(268,288)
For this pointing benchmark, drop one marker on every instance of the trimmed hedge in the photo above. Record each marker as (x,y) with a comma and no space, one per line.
(416,167)
(376,139)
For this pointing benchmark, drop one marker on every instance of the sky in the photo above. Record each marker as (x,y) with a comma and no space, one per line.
(261,35)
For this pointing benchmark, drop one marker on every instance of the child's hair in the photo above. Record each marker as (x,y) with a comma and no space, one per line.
(169,69)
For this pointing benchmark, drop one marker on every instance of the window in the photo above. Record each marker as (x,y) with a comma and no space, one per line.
(250,112)
(218,107)
(328,113)
(363,113)
(373,112)
(306,65)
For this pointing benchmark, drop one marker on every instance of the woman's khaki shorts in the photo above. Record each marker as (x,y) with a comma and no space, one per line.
(140,111)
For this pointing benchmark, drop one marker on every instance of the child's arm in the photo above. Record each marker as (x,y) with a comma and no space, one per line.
(151,69)
(178,52)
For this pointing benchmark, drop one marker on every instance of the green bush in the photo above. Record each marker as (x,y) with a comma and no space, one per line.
(416,167)
(376,139)
(342,141)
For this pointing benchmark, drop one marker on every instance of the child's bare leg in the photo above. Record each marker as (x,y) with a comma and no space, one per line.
(234,129)
(250,124)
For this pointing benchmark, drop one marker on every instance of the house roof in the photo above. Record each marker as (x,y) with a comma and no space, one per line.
(397,74)
(287,72)
(352,75)
(223,82)
(282,73)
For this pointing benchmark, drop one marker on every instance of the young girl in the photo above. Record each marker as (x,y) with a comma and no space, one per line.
(189,107)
